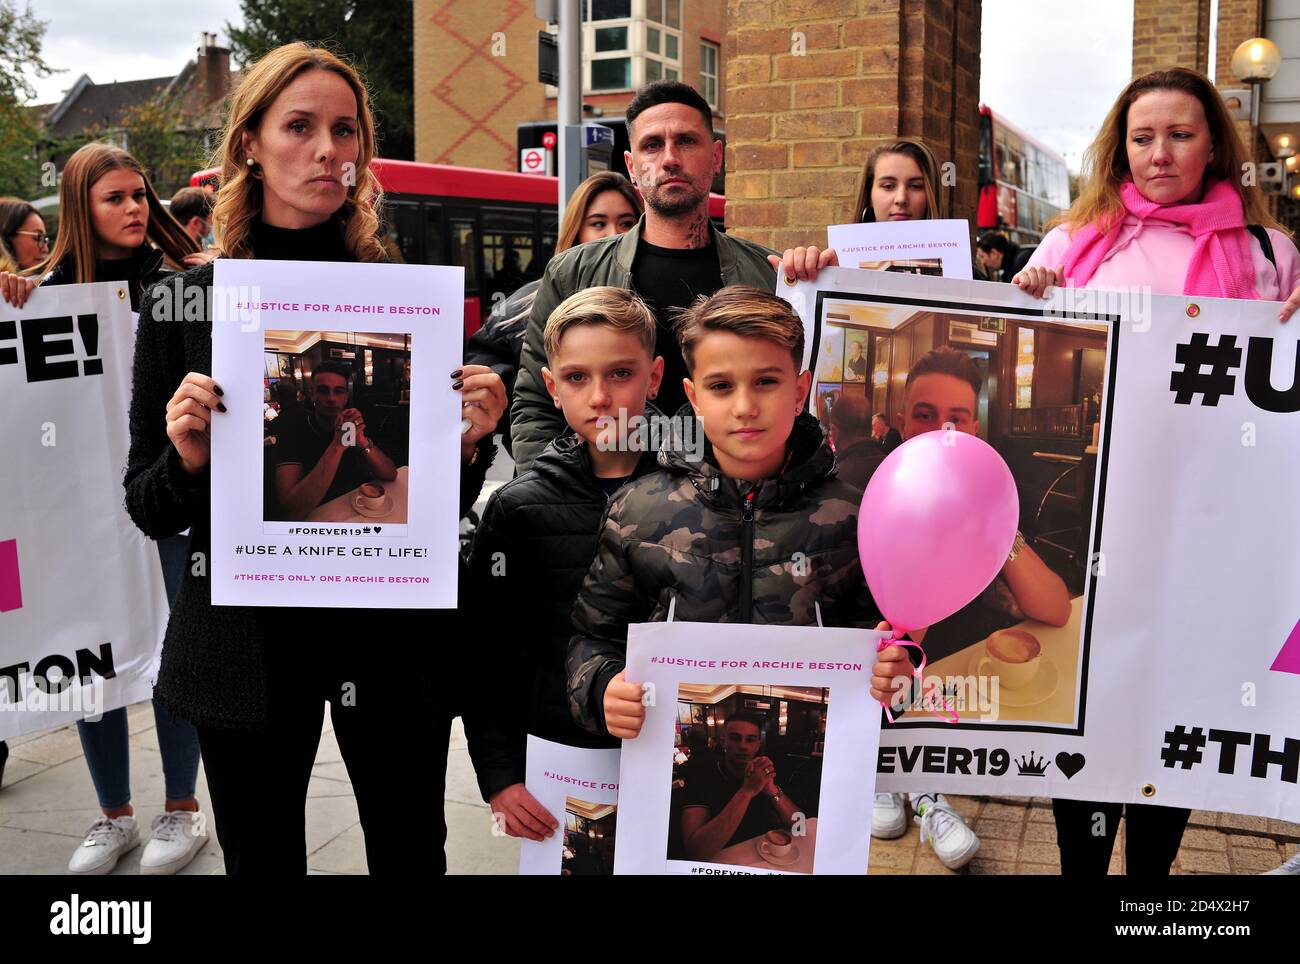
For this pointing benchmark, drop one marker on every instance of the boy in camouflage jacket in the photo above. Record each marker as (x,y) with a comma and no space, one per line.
(753,528)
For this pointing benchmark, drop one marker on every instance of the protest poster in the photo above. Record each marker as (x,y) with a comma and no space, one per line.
(82,604)
(579,786)
(752,755)
(1138,649)
(929,248)
(334,470)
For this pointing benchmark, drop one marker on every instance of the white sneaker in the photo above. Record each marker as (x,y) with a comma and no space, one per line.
(888,816)
(106,841)
(943,828)
(1291,867)
(175,838)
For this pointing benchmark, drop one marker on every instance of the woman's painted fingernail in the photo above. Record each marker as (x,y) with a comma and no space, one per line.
(455,386)
(217,389)
(221,406)
(457,373)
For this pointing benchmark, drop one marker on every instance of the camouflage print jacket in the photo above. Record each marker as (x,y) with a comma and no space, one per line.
(728,551)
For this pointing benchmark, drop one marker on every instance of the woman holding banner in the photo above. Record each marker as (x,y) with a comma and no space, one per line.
(900,184)
(1163,207)
(108,215)
(296,184)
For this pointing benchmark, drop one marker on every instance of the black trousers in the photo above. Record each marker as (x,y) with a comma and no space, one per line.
(393,740)
(1151,837)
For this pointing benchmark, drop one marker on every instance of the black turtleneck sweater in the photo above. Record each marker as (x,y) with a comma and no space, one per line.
(221,665)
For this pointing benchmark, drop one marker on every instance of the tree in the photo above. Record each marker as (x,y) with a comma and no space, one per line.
(376,38)
(167,143)
(21,35)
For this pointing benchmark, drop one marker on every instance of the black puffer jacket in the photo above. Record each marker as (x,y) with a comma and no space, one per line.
(499,341)
(531,553)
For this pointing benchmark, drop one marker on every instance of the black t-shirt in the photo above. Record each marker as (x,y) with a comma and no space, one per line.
(710,785)
(610,486)
(668,279)
(303,442)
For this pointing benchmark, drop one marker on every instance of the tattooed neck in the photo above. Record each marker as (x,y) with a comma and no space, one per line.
(688,231)
(697,232)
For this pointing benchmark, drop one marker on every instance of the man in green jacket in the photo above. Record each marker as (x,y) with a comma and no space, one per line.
(671,258)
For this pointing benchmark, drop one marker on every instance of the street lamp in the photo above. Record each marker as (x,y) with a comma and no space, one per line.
(1256,62)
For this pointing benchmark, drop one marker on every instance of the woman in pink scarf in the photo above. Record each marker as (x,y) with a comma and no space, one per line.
(1164,207)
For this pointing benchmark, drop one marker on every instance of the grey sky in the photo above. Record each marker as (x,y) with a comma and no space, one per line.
(1052,67)
(127,40)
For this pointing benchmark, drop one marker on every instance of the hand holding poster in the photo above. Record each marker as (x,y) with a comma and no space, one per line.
(1096,664)
(82,606)
(342,420)
(580,787)
(756,751)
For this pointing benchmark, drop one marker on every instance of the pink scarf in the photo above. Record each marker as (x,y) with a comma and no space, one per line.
(1221,265)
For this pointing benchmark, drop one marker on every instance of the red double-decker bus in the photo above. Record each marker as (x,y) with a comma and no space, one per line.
(498,225)
(1023,182)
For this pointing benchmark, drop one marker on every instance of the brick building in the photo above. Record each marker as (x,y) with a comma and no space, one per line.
(476,68)
(813,85)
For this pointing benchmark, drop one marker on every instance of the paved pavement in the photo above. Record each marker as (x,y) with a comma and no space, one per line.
(47,803)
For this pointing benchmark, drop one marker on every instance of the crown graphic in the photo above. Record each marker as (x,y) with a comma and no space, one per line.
(1033,767)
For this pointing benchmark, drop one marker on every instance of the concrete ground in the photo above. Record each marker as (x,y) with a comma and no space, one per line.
(47,803)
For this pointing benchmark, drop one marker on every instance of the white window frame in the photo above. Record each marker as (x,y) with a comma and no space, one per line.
(717,63)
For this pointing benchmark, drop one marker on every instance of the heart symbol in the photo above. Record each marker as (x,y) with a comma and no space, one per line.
(1069,763)
(377,528)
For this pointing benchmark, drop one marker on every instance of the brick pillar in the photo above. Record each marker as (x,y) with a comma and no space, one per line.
(813,85)
(1239,20)
(1171,33)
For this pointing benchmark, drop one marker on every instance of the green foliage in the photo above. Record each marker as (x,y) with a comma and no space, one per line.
(375,37)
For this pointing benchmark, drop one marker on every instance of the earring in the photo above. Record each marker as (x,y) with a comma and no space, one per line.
(250,162)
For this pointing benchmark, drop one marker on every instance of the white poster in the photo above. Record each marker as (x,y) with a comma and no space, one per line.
(927,248)
(1153,655)
(756,753)
(82,605)
(335,469)
(579,787)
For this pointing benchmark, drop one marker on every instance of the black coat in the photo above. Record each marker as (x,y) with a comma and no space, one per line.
(214,669)
(531,553)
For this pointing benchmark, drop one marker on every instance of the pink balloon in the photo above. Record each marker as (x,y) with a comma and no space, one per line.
(936,524)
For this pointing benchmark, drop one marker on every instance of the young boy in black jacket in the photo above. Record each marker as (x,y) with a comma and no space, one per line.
(538,533)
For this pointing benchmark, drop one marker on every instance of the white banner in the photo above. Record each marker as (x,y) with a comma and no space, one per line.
(752,756)
(1154,656)
(335,471)
(579,787)
(82,605)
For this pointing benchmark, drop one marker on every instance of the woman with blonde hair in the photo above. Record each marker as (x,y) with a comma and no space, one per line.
(296,185)
(108,214)
(1164,207)
(603,205)
(900,182)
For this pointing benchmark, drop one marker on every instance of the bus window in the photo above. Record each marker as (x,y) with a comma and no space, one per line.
(510,255)
(550,232)
(464,251)
(435,250)
(403,232)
